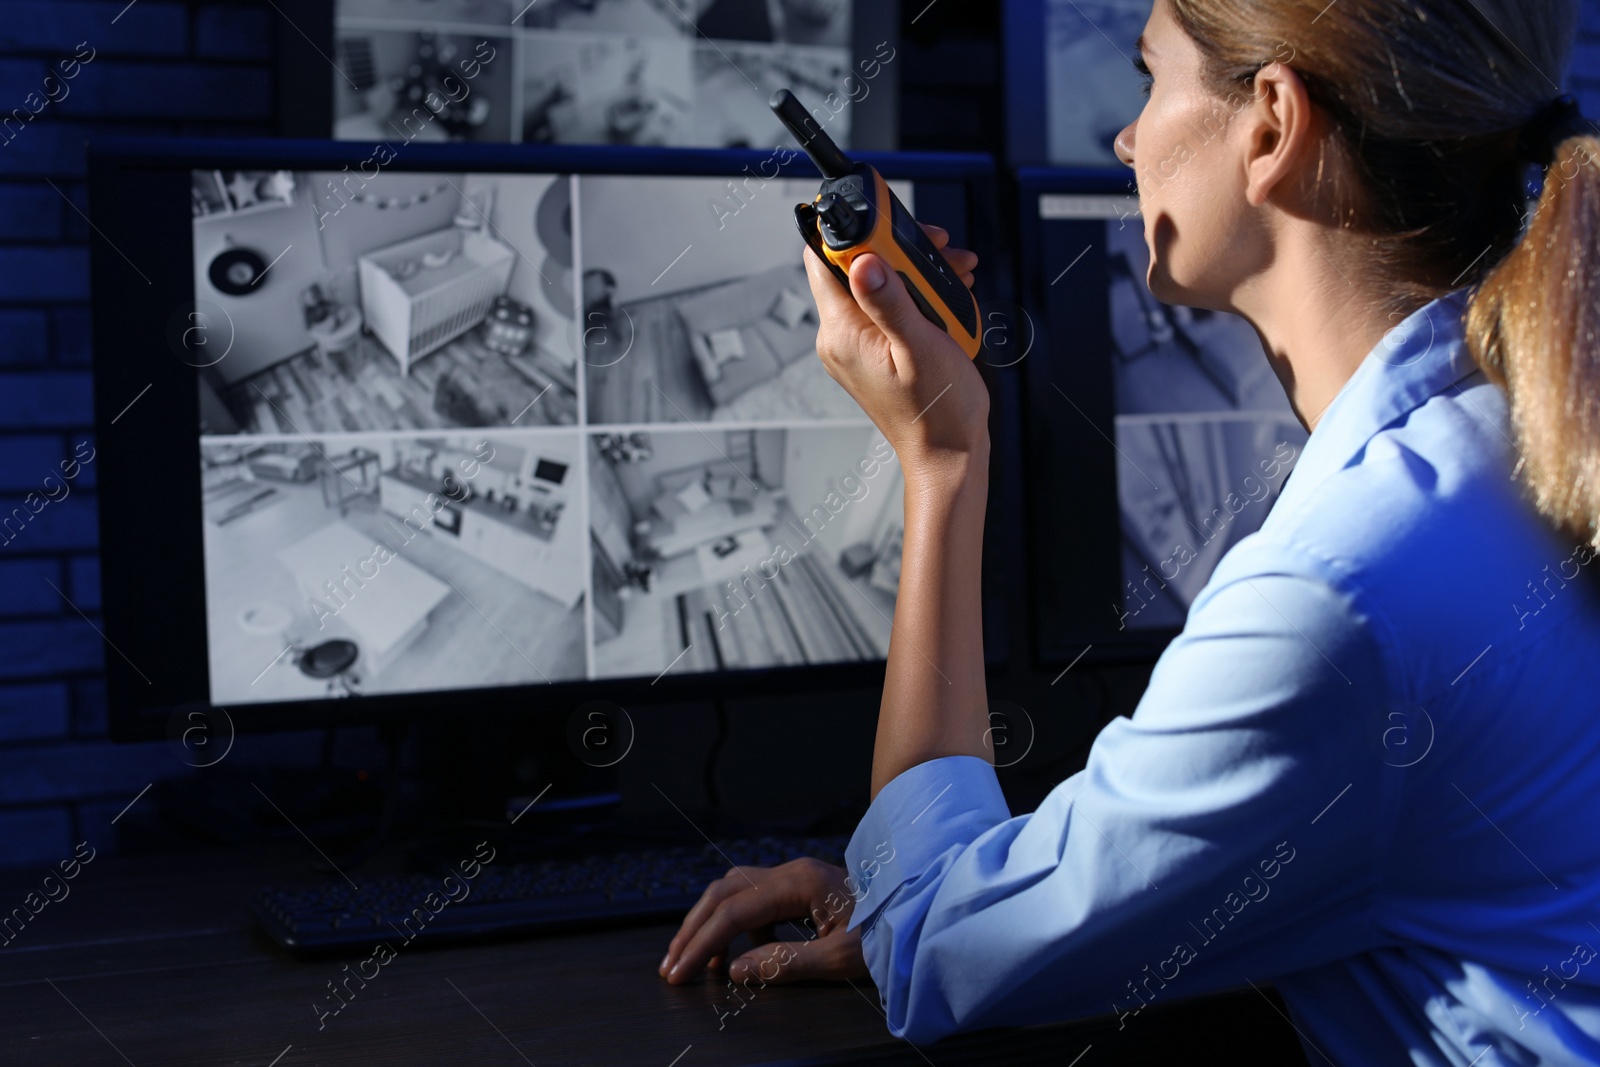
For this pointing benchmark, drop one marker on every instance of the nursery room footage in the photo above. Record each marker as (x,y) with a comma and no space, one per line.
(338,302)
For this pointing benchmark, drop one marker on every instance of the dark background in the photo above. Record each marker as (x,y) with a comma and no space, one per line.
(209,69)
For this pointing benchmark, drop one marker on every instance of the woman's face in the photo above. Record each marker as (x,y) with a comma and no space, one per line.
(1190,175)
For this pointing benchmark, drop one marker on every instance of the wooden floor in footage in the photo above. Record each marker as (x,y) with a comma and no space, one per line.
(362,389)
(658,380)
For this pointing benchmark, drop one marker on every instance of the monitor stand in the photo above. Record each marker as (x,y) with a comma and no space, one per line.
(420,781)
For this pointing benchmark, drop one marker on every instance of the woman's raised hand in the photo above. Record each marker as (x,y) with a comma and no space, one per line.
(908,375)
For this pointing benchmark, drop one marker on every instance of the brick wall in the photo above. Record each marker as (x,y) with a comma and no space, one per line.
(157,67)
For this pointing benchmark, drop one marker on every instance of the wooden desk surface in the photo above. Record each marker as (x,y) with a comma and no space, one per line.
(154,962)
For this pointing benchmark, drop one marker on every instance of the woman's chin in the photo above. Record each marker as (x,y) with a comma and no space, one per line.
(1163,287)
(1167,289)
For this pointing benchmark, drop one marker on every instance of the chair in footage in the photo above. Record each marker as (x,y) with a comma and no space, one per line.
(332,662)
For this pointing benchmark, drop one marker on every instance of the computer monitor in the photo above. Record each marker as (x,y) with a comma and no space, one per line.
(1071,86)
(1165,433)
(478,426)
(639,72)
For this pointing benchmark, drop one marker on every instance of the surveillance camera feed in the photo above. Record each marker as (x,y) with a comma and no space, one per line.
(639,72)
(463,431)
(1204,434)
(1093,90)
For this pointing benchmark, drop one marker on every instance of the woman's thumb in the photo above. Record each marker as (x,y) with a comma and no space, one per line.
(883,296)
(779,962)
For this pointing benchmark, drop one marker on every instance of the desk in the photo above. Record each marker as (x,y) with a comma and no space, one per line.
(156,957)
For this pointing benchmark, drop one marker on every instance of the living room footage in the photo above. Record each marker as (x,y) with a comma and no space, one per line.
(470,430)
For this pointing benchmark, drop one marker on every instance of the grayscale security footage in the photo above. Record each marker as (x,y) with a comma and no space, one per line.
(1092,90)
(639,72)
(476,430)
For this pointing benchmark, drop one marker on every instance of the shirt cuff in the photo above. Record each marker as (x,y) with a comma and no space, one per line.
(919,816)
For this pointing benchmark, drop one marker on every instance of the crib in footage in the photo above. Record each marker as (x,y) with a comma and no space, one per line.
(424,292)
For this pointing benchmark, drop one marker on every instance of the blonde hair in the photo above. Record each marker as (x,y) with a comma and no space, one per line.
(1438,108)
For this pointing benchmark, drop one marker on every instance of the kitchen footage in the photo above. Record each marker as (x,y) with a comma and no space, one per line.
(392,564)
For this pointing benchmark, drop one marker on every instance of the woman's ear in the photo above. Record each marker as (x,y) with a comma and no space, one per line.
(1279,130)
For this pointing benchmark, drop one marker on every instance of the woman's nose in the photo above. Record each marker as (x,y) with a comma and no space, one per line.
(1123,145)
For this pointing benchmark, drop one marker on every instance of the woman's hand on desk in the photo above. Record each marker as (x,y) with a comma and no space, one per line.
(752,899)
(909,376)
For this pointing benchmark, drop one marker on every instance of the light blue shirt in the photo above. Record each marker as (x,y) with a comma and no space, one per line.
(1368,771)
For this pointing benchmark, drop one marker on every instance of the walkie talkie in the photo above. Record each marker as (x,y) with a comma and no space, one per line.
(855,212)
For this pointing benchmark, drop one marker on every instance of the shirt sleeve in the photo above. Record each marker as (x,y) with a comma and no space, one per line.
(1228,832)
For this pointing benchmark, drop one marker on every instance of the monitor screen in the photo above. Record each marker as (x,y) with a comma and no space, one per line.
(546,471)
(1169,418)
(641,72)
(1072,85)
(481,429)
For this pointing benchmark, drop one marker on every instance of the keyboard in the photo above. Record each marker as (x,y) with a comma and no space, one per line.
(614,889)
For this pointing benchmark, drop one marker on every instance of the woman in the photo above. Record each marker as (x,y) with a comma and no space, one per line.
(1369,768)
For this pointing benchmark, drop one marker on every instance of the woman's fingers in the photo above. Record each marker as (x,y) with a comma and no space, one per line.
(846,333)
(735,881)
(742,911)
(883,296)
(749,899)
(832,957)
(834,303)
(961,260)
(752,900)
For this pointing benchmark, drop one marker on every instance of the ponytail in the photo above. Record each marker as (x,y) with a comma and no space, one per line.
(1534,327)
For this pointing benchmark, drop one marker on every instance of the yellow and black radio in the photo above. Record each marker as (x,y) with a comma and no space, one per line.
(855,212)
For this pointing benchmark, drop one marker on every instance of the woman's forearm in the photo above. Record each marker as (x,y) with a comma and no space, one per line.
(929,400)
(934,701)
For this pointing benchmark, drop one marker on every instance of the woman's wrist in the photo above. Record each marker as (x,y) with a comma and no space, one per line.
(948,479)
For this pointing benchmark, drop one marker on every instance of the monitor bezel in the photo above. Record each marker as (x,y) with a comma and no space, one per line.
(141,533)
(1023,45)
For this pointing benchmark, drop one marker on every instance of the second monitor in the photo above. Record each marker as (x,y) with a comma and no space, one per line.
(1166,431)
